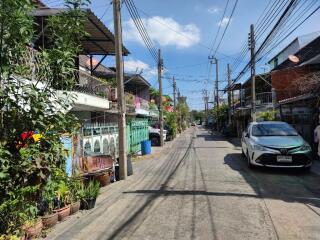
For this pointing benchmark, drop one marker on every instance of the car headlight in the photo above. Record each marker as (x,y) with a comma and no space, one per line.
(257,147)
(305,147)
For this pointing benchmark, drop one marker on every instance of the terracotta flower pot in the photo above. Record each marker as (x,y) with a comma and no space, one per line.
(104,179)
(50,220)
(63,212)
(35,230)
(74,207)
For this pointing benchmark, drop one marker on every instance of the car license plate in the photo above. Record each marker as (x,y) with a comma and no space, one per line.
(284,158)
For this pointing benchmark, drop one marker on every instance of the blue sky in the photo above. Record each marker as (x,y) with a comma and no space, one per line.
(186,54)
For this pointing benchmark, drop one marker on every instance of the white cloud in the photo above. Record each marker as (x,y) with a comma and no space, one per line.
(213,10)
(164,31)
(136,66)
(224,21)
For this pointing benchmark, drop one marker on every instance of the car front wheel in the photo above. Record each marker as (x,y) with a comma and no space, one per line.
(250,165)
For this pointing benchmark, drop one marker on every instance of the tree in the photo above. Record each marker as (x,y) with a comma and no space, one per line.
(220,113)
(183,115)
(197,115)
(29,104)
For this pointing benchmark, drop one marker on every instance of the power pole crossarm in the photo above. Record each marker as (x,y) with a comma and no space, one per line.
(120,91)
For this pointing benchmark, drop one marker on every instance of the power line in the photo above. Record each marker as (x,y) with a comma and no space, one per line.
(286,36)
(107,9)
(261,25)
(225,29)
(141,28)
(218,31)
(275,30)
(187,66)
(294,19)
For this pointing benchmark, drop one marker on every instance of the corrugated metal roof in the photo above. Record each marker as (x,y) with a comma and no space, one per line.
(297,98)
(100,40)
(39,4)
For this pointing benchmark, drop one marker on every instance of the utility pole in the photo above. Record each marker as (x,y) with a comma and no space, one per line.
(179,111)
(205,99)
(160,63)
(229,93)
(253,71)
(214,60)
(174,93)
(120,91)
(217,82)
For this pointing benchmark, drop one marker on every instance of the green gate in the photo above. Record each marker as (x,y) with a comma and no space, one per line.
(137,131)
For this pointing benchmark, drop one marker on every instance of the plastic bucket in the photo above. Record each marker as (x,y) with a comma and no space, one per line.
(145,147)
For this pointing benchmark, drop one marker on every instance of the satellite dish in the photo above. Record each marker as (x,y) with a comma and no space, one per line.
(294,58)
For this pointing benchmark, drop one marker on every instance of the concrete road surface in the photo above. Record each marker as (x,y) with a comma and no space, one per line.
(201,188)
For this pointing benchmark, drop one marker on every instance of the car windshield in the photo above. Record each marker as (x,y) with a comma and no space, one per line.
(275,129)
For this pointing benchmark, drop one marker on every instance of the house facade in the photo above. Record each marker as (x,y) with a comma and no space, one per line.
(296,81)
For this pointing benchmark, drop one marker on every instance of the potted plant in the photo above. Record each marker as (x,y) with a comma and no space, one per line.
(90,193)
(63,197)
(75,185)
(49,218)
(32,227)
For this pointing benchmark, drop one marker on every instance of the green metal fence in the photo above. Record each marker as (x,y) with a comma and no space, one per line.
(137,131)
(103,138)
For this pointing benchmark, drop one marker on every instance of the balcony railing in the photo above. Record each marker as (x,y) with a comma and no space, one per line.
(141,103)
(264,98)
(92,85)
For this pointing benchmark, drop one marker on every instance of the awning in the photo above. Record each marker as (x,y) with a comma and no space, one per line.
(100,40)
(297,98)
(233,87)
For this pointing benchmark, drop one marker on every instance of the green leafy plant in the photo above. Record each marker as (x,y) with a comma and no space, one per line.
(30,104)
(183,115)
(267,115)
(75,187)
(91,191)
(49,194)
(63,194)
(171,121)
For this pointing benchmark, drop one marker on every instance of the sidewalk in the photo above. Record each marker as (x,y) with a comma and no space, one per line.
(155,151)
(111,196)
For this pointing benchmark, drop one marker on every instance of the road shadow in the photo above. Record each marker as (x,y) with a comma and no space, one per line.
(290,185)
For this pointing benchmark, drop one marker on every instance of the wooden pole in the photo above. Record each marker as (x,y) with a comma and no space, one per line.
(174,93)
(229,94)
(253,72)
(120,91)
(217,82)
(160,100)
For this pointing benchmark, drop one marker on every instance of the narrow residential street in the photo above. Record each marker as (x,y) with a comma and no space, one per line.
(201,188)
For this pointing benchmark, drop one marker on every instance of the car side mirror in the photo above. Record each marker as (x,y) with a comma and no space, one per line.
(246,135)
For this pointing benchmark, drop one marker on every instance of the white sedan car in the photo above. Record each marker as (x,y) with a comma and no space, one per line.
(275,144)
